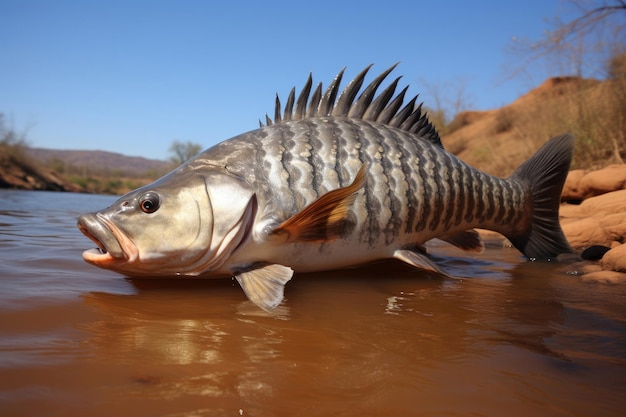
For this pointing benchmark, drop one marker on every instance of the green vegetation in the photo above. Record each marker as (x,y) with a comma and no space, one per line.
(102,180)
(106,185)
(23,171)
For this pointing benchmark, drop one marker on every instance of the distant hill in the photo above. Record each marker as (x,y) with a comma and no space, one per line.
(495,141)
(101,161)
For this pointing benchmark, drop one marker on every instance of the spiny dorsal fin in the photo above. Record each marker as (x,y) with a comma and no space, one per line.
(383,108)
(323,219)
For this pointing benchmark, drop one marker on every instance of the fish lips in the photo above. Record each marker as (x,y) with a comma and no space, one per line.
(109,250)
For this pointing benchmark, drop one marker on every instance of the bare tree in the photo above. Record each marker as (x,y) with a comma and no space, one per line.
(182,151)
(9,136)
(445,102)
(583,45)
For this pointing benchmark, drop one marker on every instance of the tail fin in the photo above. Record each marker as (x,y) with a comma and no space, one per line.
(545,173)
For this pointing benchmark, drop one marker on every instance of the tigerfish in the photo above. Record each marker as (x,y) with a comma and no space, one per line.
(329,183)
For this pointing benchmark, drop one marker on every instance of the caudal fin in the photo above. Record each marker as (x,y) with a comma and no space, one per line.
(545,172)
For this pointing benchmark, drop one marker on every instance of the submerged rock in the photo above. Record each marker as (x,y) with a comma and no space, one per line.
(594,253)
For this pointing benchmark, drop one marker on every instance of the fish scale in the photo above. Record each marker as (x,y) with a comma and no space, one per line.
(337,182)
(399,199)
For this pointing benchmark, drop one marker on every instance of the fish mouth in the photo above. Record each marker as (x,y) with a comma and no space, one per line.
(112,244)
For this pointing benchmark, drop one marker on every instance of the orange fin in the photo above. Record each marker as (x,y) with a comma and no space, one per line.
(322,220)
(469,241)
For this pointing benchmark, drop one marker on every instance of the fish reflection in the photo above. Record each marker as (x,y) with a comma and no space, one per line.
(174,342)
(511,303)
(157,331)
(525,312)
(381,333)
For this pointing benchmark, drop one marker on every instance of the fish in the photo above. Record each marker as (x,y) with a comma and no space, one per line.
(332,181)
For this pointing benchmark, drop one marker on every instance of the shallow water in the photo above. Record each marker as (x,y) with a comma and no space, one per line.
(510,338)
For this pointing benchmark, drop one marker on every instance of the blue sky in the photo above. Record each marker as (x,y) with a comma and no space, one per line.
(132,76)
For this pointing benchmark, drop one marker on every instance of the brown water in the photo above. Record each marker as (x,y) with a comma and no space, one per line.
(511,338)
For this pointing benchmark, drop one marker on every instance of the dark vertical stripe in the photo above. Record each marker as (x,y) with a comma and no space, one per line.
(481,201)
(334,151)
(314,159)
(451,198)
(437,202)
(502,202)
(371,229)
(469,195)
(287,143)
(342,151)
(428,192)
(522,205)
(262,166)
(394,222)
(514,202)
(490,190)
(460,182)
(410,161)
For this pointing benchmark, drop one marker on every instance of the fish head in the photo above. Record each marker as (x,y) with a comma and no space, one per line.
(186,223)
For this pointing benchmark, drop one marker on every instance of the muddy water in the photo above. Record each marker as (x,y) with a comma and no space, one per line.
(510,338)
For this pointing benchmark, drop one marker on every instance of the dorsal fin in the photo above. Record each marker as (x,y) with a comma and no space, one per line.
(384,108)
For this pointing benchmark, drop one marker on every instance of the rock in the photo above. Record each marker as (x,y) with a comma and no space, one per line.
(571,188)
(581,184)
(615,259)
(584,233)
(607,277)
(611,178)
(594,252)
(599,220)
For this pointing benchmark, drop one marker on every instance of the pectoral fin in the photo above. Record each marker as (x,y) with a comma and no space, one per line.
(419,260)
(469,241)
(265,285)
(321,220)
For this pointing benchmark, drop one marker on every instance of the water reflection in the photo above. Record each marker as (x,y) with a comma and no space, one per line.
(507,338)
(347,332)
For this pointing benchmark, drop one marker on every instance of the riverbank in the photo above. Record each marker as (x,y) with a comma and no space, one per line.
(21,172)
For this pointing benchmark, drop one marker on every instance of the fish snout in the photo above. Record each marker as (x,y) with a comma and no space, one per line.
(109,249)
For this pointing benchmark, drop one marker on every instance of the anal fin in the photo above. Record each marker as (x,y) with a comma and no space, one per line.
(468,241)
(264,285)
(419,260)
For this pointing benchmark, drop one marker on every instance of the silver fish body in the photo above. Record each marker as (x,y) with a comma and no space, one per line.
(330,185)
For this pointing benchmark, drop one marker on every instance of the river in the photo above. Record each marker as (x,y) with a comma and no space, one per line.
(511,338)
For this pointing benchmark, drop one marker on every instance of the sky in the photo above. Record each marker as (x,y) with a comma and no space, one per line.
(132,76)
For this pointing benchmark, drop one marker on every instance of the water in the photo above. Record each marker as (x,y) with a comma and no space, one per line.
(511,338)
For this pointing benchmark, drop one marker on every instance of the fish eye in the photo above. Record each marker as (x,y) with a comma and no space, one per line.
(149,202)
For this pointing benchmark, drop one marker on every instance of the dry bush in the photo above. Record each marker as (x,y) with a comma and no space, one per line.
(594,113)
(505,120)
